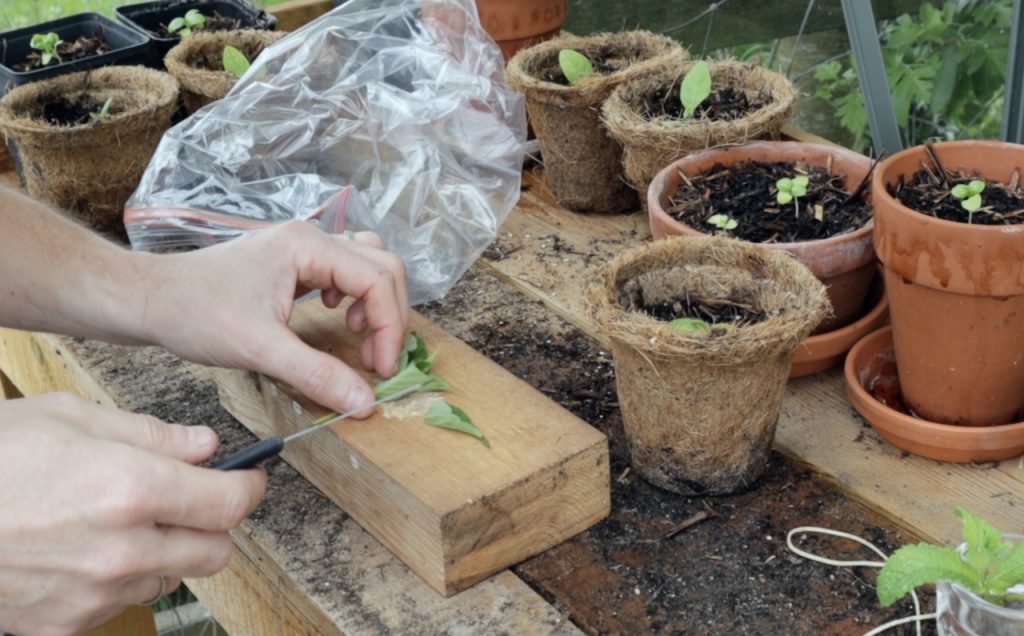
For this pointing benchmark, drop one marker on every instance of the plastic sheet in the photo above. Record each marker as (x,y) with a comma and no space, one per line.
(384,115)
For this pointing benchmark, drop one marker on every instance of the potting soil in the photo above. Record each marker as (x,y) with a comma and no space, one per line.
(81,48)
(724,104)
(928,192)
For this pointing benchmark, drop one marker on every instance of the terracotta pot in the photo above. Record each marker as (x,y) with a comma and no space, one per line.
(956,293)
(871,361)
(846,263)
(522,23)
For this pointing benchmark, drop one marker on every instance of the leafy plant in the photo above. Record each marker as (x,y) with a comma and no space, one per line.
(969,195)
(183,25)
(695,87)
(103,113)
(990,567)
(946,70)
(47,43)
(791,189)
(414,368)
(574,65)
(723,222)
(235,61)
(691,325)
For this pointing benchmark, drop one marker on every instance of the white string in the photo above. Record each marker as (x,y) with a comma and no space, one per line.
(918,617)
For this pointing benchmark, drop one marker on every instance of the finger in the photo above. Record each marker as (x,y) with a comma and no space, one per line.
(355,318)
(366,353)
(183,552)
(196,498)
(319,376)
(188,443)
(369,238)
(144,589)
(332,297)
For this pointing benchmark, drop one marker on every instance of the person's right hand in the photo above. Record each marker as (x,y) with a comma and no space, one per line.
(97,504)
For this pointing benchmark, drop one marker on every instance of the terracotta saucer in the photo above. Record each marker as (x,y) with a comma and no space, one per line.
(823,351)
(865,364)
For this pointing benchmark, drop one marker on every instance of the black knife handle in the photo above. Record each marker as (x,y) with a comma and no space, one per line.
(252,455)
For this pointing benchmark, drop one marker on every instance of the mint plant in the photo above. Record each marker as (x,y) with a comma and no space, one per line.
(970,196)
(990,566)
(791,189)
(445,415)
(574,65)
(46,43)
(183,25)
(234,61)
(695,88)
(723,222)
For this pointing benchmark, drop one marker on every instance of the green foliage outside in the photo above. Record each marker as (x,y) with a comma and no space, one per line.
(946,69)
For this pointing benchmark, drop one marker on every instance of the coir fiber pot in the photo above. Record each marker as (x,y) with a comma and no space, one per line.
(700,409)
(582,164)
(197,63)
(650,144)
(90,169)
(845,263)
(956,293)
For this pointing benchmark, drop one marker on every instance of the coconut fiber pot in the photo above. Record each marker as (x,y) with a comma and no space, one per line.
(700,409)
(650,144)
(956,293)
(197,63)
(90,169)
(845,263)
(582,164)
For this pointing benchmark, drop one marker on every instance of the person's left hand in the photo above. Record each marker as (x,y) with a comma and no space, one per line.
(229,305)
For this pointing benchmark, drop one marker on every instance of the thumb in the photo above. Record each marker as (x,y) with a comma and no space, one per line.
(319,376)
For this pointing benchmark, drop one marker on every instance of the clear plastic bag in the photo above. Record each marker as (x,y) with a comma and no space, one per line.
(384,115)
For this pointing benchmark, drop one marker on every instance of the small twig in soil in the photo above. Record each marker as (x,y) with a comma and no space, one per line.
(938,164)
(623,476)
(691,521)
(859,190)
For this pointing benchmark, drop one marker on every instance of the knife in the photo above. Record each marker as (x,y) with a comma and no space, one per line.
(271,446)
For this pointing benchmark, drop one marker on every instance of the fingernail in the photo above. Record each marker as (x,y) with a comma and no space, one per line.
(357,397)
(201,436)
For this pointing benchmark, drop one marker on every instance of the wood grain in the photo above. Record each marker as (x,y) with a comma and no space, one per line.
(550,254)
(453,510)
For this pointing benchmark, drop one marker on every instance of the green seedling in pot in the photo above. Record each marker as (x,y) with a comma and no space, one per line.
(690,325)
(990,567)
(183,25)
(791,189)
(104,112)
(723,222)
(47,44)
(234,61)
(969,195)
(695,88)
(574,65)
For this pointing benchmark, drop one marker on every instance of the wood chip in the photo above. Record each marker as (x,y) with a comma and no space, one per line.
(819,212)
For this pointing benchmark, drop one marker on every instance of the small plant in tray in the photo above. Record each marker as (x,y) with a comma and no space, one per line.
(49,48)
(46,44)
(183,25)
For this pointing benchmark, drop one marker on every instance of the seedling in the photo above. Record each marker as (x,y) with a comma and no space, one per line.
(414,367)
(723,222)
(47,43)
(990,567)
(235,61)
(695,88)
(691,325)
(574,65)
(183,25)
(791,190)
(969,195)
(103,113)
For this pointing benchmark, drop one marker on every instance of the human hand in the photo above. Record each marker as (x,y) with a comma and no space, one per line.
(98,504)
(229,305)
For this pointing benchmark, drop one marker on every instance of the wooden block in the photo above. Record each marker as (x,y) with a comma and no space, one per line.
(454,511)
(294,14)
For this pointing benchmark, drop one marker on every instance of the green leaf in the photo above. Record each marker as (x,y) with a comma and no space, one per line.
(104,112)
(695,87)
(828,72)
(445,415)
(914,565)
(690,325)
(971,203)
(177,24)
(801,181)
(1010,571)
(408,377)
(46,58)
(798,189)
(960,191)
(783,197)
(194,18)
(977,186)
(785,184)
(945,79)
(235,61)
(574,65)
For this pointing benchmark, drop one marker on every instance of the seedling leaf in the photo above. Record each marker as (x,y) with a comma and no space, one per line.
(723,222)
(971,203)
(194,18)
(235,61)
(574,65)
(46,43)
(783,197)
(178,24)
(102,113)
(408,377)
(445,415)
(976,186)
(914,565)
(695,87)
(690,325)
(1011,571)
(961,191)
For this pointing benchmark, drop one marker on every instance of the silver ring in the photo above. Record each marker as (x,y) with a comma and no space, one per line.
(348,235)
(160,594)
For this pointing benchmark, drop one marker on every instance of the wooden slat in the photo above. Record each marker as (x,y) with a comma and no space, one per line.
(549,253)
(453,510)
(294,14)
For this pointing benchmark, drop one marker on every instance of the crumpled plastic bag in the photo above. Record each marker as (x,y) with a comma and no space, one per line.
(383,115)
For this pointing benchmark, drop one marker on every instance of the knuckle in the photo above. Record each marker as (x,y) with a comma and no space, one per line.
(219,556)
(396,265)
(126,503)
(153,433)
(64,402)
(320,378)
(236,508)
